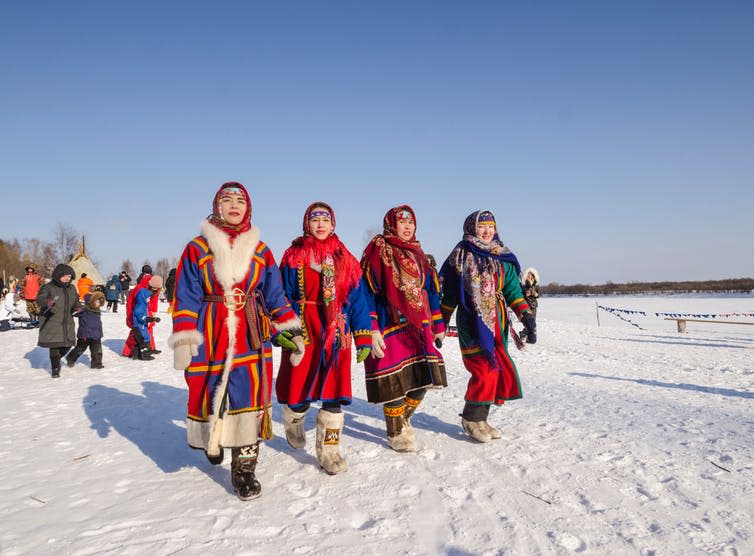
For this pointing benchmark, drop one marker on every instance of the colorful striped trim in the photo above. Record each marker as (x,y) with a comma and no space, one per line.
(431,359)
(185,313)
(394,411)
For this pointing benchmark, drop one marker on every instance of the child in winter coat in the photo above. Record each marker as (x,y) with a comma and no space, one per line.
(480,278)
(142,319)
(58,301)
(89,334)
(323,281)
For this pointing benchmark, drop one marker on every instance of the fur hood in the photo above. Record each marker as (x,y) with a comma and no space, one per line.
(526,272)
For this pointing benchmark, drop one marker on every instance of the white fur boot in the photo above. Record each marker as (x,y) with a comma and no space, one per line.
(329,427)
(293,422)
(476,430)
(400,434)
(495,433)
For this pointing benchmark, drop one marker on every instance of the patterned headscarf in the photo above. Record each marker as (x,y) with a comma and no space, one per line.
(339,269)
(399,267)
(477,264)
(218,221)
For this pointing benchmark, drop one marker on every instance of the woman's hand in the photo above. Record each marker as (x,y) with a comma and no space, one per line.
(378,344)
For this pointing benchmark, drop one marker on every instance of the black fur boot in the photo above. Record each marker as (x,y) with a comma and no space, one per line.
(242,468)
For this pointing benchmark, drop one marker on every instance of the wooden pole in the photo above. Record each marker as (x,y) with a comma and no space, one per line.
(597,307)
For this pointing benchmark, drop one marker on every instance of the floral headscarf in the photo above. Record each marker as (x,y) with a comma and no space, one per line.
(398,268)
(477,264)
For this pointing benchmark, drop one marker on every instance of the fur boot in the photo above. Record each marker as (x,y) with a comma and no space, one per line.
(400,435)
(293,422)
(477,430)
(329,427)
(242,469)
(495,433)
(410,404)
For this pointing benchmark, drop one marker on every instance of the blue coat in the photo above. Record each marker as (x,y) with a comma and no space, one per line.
(113,289)
(90,325)
(141,312)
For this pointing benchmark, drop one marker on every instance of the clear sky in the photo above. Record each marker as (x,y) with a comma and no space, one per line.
(613,140)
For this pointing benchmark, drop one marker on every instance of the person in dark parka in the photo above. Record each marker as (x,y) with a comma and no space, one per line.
(58,300)
(112,293)
(90,331)
(170,286)
(125,285)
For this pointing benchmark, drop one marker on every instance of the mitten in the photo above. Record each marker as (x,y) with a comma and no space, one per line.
(438,339)
(153,319)
(182,355)
(530,324)
(284,340)
(378,344)
(185,345)
(362,354)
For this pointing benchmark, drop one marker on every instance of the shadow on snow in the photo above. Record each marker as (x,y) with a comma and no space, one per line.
(728,392)
(150,421)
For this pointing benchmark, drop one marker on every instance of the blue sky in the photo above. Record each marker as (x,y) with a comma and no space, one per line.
(614,141)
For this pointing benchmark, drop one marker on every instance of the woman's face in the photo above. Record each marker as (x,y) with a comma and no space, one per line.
(320,225)
(485,231)
(65,278)
(232,208)
(405,227)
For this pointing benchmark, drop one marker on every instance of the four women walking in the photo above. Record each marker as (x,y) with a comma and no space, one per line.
(231,304)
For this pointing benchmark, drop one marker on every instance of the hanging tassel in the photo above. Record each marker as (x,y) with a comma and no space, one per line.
(516,338)
(266,326)
(265,424)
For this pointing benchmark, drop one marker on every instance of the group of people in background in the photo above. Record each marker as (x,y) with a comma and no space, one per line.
(53,305)
(392,307)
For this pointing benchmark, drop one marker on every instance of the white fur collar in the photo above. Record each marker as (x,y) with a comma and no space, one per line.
(231,262)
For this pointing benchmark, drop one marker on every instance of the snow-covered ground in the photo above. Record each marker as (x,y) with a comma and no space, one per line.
(627,441)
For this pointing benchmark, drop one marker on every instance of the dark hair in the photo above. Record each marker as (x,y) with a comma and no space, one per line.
(83,274)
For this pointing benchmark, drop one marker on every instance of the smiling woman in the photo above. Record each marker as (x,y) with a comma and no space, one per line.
(229,304)
(322,279)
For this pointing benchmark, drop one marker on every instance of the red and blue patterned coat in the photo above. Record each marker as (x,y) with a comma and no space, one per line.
(211,266)
(324,372)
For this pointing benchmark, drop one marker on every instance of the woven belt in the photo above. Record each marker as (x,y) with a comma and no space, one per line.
(234,301)
(259,325)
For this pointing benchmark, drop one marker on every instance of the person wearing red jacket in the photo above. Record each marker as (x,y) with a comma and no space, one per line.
(130,344)
(29,292)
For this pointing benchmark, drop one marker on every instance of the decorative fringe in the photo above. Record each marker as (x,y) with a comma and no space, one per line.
(265,325)
(516,338)
(265,424)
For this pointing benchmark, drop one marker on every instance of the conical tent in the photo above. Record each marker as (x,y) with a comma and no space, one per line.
(80,263)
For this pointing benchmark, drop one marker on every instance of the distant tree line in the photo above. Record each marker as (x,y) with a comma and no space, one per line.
(732,285)
(17,254)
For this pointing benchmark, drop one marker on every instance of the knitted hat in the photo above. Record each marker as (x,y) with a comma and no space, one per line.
(155,282)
